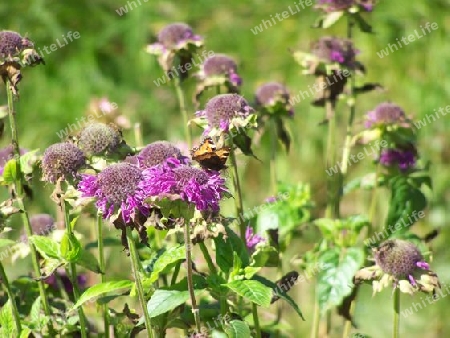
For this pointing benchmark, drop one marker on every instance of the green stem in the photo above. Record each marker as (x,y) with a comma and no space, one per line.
(187,243)
(316,321)
(21,205)
(135,265)
(101,261)
(15,311)
(256,320)
(396,331)
(176,271)
(238,193)
(138,135)
(72,273)
(211,266)
(333,190)
(273,157)
(182,103)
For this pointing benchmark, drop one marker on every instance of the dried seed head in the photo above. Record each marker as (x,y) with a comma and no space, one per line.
(61,160)
(98,139)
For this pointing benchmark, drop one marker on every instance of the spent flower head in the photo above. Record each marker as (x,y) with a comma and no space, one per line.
(335,50)
(16,52)
(99,139)
(386,114)
(176,39)
(157,153)
(199,187)
(226,113)
(273,98)
(116,189)
(399,261)
(62,161)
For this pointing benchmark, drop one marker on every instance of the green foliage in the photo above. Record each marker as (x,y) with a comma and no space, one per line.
(110,288)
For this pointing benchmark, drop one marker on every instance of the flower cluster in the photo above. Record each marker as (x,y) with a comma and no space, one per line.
(273,98)
(224,113)
(402,263)
(202,188)
(157,153)
(252,239)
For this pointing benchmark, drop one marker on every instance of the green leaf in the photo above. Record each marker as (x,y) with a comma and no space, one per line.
(46,246)
(252,290)
(70,247)
(10,172)
(363,25)
(163,301)
(25,333)
(103,289)
(167,259)
(7,320)
(335,280)
(226,248)
(89,261)
(331,18)
(250,271)
(237,329)
(27,160)
(35,312)
(6,242)
(265,256)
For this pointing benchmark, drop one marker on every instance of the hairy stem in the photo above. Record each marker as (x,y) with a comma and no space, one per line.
(19,195)
(15,311)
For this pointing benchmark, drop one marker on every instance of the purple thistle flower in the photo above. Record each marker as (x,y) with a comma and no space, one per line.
(61,161)
(220,65)
(385,114)
(157,153)
(399,259)
(202,188)
(116,186)
(225,111)
(175,37)
(404,158)
(332,49)
(271,93)
(252,239)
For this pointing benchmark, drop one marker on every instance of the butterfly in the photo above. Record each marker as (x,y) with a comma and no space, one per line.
(209,156)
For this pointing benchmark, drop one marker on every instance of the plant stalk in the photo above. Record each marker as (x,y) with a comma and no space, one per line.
(140,290)
(256,320)
(15,311)
(182,103)
(101,261)
(187,242)
(396,331)
(21,205)
(238,193)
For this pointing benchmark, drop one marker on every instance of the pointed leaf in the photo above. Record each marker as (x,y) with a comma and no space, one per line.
(46,246)
(10,172)
(70,247)
(103,289)
(237,329)
(168,258)
(6,242)
(335,280)
(87,260)
(252,290)
(163,301)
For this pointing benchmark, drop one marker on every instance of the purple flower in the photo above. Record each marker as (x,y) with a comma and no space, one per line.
(7,154)
(399,259)
(271,94)
(404,158)
(332,49)
(62,161)
(225,112)
(220,65)
(157,153)
(117,186)
(65,280)
(342,5)
(202,188)
(386,114)
(252,239)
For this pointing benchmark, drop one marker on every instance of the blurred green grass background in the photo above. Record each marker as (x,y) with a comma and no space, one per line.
(109,60)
